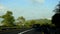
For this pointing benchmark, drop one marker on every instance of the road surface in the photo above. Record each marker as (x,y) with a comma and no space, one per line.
(15,31)
(30,31)
(33,31)
(24,31)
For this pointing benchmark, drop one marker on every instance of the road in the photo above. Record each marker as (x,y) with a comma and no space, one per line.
(20,31)
(15,31)
(23,31)
(30,31)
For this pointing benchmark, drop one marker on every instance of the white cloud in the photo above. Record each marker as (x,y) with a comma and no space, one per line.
(38,1)
(1,7)
(49,18)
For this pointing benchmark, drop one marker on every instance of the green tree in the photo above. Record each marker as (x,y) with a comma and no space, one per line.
(8,19)
(56,17)
(21,21)
(57,10)
(27,24)
(21,18)
(32,22)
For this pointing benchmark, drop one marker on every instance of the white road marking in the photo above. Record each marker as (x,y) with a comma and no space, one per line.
(25,31)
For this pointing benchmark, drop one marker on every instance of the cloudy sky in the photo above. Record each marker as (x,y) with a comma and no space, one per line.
(30,9)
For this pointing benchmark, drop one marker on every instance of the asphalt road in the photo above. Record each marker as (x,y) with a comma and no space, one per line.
(32,31)
(15,31)
(20,31)
(23,31)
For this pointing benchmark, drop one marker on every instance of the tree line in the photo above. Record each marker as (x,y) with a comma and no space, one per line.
(9,20)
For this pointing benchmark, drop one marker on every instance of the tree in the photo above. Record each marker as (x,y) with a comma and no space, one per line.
(56,16)
(21,18)
(27,24)
(8,19)
(57,10)
(21,21)
(32,22)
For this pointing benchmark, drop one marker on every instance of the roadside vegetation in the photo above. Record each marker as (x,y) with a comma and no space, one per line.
(20,22)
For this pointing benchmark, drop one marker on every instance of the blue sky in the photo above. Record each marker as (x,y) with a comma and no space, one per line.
(30,9)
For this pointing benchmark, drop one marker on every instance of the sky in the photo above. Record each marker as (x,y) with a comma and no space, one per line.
(29,9)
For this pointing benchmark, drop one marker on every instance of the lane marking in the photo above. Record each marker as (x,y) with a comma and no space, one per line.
(25,31)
